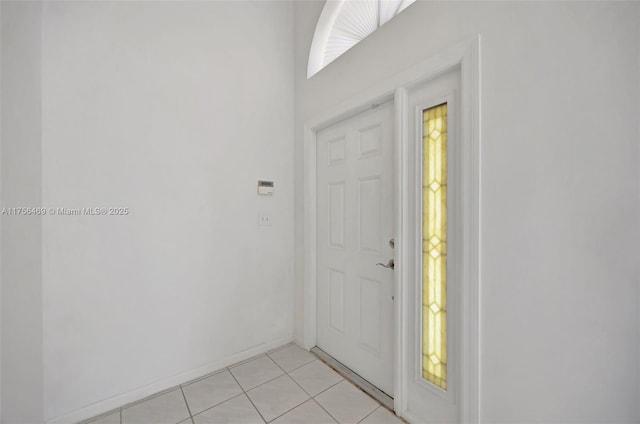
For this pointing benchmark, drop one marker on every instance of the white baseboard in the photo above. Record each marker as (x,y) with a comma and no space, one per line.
(118,401)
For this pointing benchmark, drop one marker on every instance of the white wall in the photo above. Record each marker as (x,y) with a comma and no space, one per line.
(173,110)
(637,272)
(1,191)
(560,191)
(21,275)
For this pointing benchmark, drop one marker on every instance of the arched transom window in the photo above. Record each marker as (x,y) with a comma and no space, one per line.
(344,23)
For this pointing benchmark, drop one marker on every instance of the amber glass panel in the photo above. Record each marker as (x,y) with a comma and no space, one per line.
(434,246)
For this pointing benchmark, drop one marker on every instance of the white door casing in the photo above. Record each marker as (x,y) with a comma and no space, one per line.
(355,224)
(426,402)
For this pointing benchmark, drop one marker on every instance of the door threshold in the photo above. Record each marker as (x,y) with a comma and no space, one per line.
(384,399)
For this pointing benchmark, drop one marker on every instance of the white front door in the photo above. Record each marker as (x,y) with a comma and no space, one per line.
(354,228)
(432,353)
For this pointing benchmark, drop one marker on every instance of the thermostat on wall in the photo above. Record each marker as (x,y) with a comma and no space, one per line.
(265,187)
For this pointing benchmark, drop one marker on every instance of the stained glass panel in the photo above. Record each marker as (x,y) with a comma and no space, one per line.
(434,246)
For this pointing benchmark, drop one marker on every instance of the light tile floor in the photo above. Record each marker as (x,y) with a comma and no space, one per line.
(284,386)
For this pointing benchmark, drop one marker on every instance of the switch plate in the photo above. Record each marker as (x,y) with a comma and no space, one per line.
(264,219)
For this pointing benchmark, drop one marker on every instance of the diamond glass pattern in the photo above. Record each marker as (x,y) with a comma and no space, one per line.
(434,250)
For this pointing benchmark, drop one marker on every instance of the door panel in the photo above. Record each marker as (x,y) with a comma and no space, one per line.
(355,223)
(369,320)
(336,214)
(369,194)
(336,300)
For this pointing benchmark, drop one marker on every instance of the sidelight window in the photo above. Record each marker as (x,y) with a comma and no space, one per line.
(434,246)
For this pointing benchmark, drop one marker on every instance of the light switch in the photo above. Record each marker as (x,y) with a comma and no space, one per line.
(264,219)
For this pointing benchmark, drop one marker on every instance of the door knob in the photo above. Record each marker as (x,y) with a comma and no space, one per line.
(389,264)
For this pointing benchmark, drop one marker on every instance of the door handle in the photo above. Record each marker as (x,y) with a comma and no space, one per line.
(389,264)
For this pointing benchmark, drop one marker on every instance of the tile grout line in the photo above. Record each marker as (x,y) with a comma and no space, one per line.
(221,402)
(320,405)
(330,387)
(308,394)
(204,377)
(246,361)
(313,398)
(244,391)
(226,369)
(259,385)
(345,380)
(325,410)
(355,380)
(277,365)
(187,403)
(255,407)
(360,389)
(298,367)
(295,382)
(121,409)
(310,397)
(304,365)
(218,404)
(281,348)
(246,395)
(289,410)
(366,416)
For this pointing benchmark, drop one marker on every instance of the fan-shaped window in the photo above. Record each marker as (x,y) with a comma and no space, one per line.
(343,23)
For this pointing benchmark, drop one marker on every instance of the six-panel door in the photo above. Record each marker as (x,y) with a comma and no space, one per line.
(355,224)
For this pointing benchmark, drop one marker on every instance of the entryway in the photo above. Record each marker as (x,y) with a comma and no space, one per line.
(392,236)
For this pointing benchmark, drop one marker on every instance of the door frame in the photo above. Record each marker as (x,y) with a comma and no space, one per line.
(466,55)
